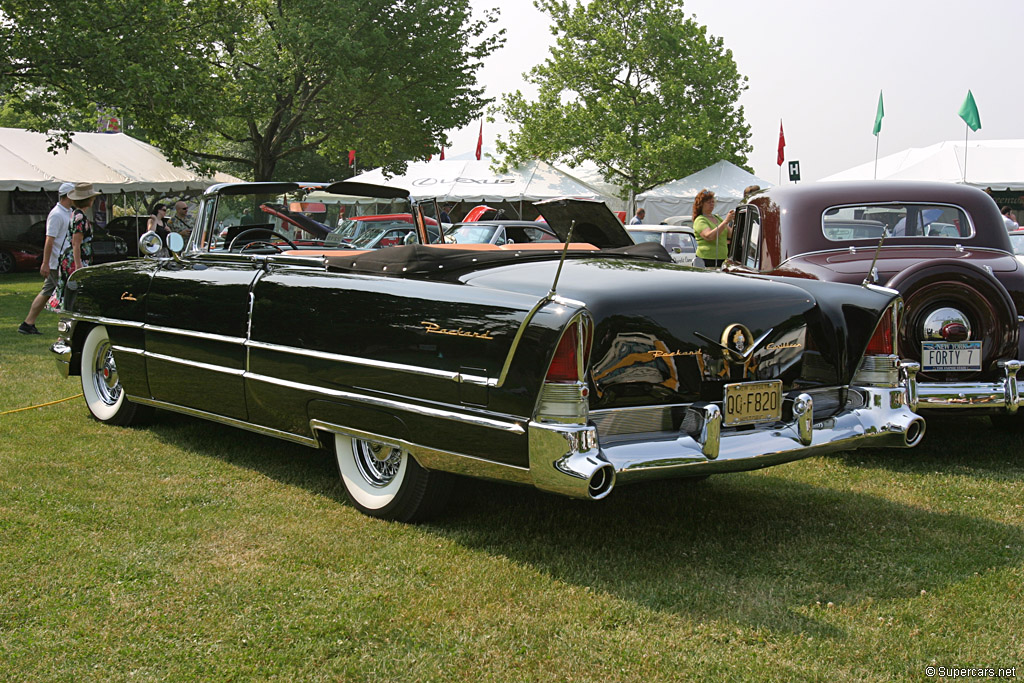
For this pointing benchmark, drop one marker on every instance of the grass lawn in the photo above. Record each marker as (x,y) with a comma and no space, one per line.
(187,550)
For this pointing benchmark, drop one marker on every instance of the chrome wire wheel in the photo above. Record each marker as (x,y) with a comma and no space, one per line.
(373,473)
(104,375)
(382,480)
(100,384)
(378,463)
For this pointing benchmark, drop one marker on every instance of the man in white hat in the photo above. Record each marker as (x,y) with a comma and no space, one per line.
(57,225)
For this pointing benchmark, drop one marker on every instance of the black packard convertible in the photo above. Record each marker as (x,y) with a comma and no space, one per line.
(572,368)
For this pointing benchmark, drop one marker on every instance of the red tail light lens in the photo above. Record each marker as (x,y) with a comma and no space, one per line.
(882,341)
(563,368)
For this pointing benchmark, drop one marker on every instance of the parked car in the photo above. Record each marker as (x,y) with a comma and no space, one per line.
(15,256)
(500,232)
(569,370)
(944,247)
(678,241)
(351,229)
(129,229)
(1017,244)
(107,248)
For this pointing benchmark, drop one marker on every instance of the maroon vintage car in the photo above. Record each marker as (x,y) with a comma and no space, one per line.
(944,247)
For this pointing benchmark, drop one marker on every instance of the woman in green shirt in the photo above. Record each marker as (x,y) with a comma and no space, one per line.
(712,232)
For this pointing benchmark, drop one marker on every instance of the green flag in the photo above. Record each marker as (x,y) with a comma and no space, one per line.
(878,115)
(969,112)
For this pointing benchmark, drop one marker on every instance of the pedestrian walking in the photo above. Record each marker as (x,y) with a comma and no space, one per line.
(58,223)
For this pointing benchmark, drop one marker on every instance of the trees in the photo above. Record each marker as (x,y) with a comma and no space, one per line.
(253,82)
(636,87)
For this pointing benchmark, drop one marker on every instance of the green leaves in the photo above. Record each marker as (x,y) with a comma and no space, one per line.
(252,82)
(636,87)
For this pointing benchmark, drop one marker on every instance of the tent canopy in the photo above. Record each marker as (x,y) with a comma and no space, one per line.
(112,162)
(998,164)
(725,179)
(474,181)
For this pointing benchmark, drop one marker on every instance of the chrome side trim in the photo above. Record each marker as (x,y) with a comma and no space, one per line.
(128,349)
(512,427)
(193,334)
(231,422)
(889,245)
(356,360)
(101,320)
(195,364)
(434,458)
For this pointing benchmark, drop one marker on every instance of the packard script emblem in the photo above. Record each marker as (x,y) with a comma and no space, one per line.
(128,297)
(434,328)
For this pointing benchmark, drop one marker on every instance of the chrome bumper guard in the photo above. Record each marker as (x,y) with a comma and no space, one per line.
(1003,394)
(570,460)
(62,350)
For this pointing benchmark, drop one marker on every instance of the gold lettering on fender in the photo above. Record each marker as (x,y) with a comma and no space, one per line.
(669,354)
(434,328)
(128,297)
(791,345)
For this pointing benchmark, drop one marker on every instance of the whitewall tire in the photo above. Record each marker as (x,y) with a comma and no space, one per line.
(384,481)
(101,385)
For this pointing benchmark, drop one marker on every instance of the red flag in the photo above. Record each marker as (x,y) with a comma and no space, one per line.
(442,154)
(351,158)
(782,145)
(480,141)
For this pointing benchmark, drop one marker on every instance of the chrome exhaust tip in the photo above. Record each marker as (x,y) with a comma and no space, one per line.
(914,432)
(601,482)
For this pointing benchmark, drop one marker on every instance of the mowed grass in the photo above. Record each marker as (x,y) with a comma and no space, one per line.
(186,550)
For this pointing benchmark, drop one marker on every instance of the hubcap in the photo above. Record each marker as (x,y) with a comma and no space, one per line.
(946,324)
(105,375)
(377,463)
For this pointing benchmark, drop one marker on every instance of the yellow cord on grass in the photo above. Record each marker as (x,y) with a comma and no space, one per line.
(41,405)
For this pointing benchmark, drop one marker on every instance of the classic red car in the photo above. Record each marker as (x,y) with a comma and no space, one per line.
(944,247)
(16,256)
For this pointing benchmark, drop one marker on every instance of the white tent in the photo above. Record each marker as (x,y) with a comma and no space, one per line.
(590,175)
(998,164)
(725,179)
(112,162)
(475,181)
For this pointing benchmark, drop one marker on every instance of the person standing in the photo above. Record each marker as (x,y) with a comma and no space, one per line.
(1008,219)
(638,219)
(158,224)
(179,222)
(79,252)
(57,224)
(712,233)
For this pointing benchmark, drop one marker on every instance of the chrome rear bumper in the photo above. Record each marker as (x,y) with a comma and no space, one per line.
(1003,394)
(572,460)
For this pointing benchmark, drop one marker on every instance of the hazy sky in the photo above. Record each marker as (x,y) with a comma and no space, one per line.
(819,65)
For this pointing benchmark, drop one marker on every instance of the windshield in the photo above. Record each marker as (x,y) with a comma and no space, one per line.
(309,217)
(1017,241)
(468,233)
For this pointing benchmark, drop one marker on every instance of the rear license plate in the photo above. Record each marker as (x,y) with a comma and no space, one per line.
(752,402)
(950,356)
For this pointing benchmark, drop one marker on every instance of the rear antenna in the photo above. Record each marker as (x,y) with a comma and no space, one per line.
(872,273)
(561,262)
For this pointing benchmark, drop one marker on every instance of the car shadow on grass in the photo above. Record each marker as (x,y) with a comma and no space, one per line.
(952,445)
(751,548)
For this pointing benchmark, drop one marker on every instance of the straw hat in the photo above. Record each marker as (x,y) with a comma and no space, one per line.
(82,191)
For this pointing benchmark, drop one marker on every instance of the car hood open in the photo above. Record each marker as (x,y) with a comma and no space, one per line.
(594,222)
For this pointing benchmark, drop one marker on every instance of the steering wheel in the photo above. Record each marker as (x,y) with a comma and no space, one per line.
(273,233)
